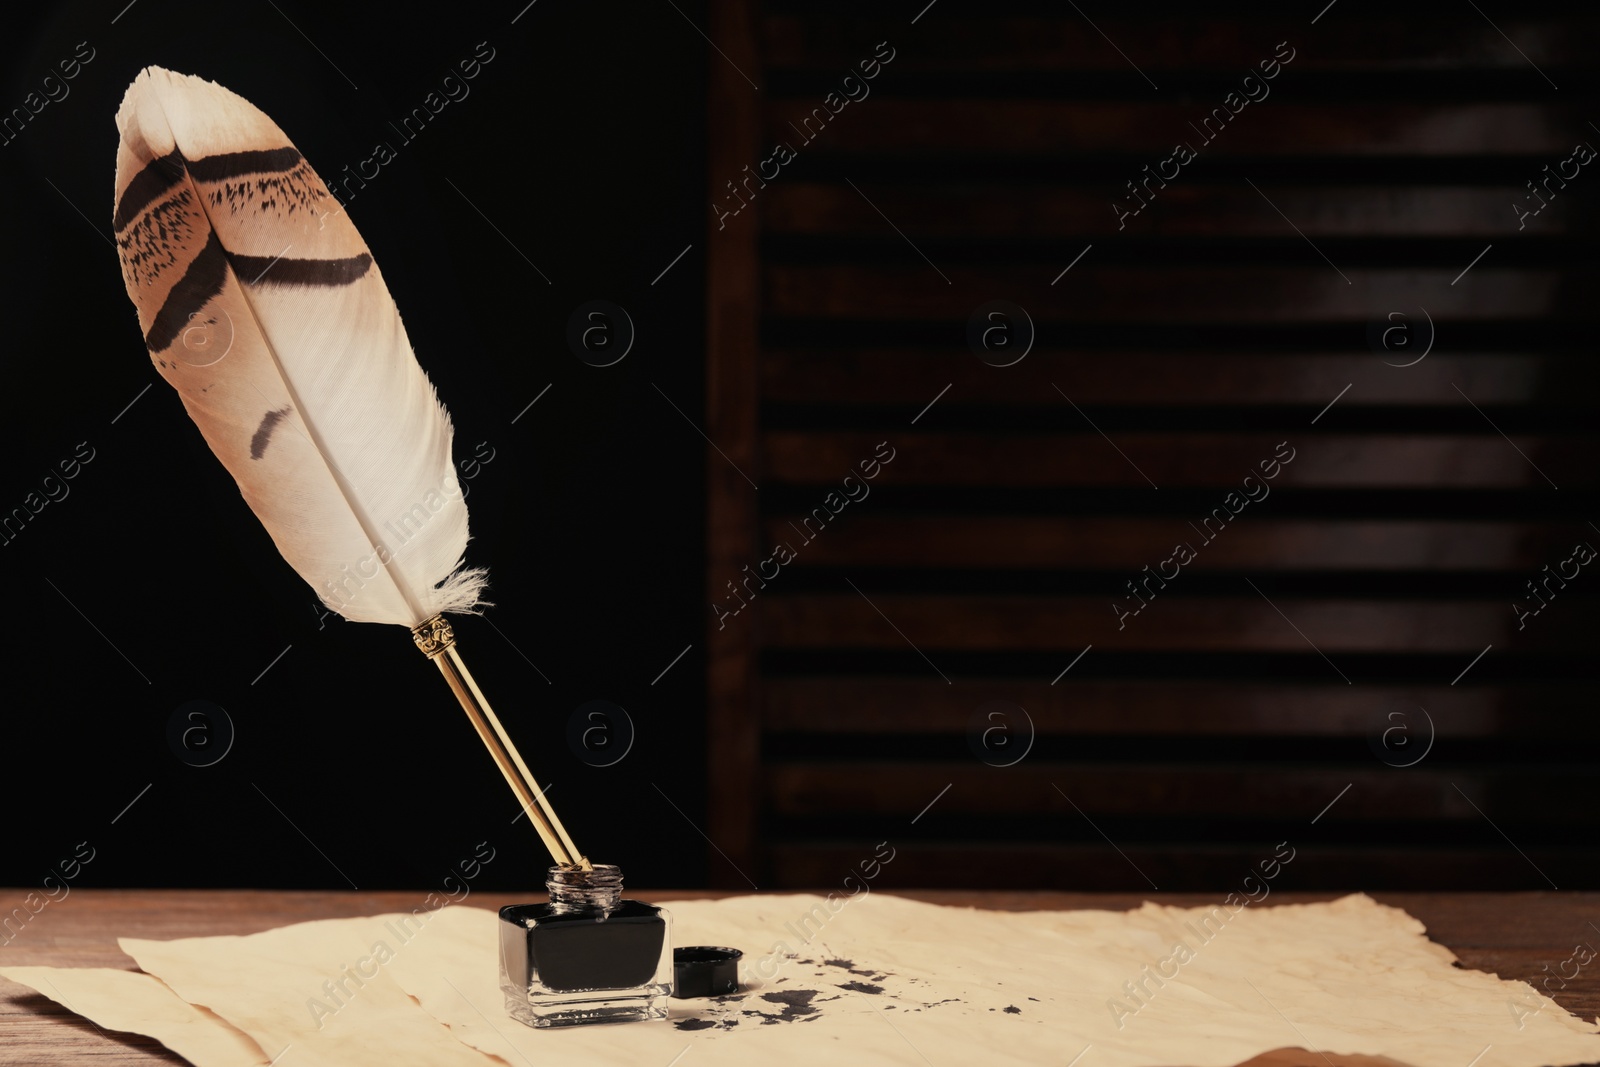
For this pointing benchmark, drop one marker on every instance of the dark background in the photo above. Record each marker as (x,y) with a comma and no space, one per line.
(583,141)
(838,711)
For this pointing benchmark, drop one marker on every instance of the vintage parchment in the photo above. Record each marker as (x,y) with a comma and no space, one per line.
(883,980)
(139,1004)
(269,986)
(886,978)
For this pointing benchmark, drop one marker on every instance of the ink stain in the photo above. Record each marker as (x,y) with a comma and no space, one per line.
(850,965)
(795,1001)
(1034,999)
(863,987)
(1012,1009)
(695,1024)
(796,1004)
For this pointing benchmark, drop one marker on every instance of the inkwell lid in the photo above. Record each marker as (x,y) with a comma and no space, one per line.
(704,971)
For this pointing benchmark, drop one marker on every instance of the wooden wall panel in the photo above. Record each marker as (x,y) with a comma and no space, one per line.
(857,377)
(1169,622)
(1294,292)
(992,210)
(1001,42)
(1132,709)
(1026,127)
(1084,458)
(1239,790)
(1437,489)
(732,402)
(1096,542)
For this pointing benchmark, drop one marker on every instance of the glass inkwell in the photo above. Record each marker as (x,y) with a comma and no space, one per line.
(588,956)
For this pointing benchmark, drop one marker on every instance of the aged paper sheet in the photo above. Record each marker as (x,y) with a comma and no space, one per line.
(872,979)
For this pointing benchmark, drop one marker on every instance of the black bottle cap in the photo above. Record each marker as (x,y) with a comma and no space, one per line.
(704,971)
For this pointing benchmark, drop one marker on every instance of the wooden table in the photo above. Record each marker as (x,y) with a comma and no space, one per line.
(1514,935)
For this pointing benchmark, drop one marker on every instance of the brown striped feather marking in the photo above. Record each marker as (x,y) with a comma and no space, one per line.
(157,220)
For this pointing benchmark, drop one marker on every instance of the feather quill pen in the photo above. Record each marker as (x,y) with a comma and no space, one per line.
(262,306)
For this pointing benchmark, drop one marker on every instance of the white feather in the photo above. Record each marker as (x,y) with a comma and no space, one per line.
(307,390)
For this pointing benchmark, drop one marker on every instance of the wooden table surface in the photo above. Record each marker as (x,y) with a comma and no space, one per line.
(1514,935)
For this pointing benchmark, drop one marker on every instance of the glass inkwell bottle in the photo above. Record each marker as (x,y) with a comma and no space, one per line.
(588,956)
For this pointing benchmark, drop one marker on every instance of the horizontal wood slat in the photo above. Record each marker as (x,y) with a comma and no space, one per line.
(1218,868)
(1170,623)
(1004,542)
(892,376)
(1304,290)
(1176,790)
(1072,707)
(1004,43)
(1321,461)
(1001,128)
(1183,209)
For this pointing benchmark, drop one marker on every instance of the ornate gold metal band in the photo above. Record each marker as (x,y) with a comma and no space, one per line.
(433,636)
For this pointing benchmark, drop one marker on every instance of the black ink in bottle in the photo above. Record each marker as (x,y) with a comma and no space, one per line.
(588,956)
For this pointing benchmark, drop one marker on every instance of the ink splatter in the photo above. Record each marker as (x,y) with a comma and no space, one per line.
(790,1004)
(863,987)
(850,965)
(794,1001)
(796,1004)
(1012,1009)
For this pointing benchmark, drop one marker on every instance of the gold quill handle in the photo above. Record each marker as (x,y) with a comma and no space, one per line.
(437,641)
